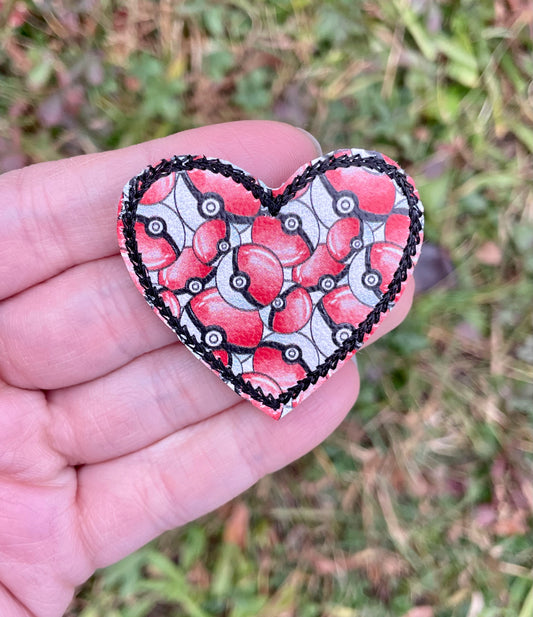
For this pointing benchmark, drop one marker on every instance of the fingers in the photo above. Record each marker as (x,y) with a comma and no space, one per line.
(128,501)
(89,321)
(59,214)
(76,327)
(150,398)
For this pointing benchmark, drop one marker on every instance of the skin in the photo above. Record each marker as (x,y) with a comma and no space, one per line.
(106,440)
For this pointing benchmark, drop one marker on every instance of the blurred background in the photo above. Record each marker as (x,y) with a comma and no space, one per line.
(421,504)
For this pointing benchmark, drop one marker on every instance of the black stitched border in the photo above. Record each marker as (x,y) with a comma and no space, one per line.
(140,184)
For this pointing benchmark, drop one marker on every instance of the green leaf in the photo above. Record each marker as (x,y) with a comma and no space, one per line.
(41,73)
(420,35)
(527,607)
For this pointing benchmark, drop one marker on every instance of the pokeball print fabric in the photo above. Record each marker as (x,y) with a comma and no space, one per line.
(273,289)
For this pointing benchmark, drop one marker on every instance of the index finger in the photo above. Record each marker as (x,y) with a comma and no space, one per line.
(60,214)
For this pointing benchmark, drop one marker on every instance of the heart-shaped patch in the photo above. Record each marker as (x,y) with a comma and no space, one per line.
(273,289)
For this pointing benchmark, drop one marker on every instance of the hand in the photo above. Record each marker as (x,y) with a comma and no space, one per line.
(111,432)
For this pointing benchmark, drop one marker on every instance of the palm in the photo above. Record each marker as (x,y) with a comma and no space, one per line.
(106,440)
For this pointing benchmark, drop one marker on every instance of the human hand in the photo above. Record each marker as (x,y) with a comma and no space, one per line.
(111,432)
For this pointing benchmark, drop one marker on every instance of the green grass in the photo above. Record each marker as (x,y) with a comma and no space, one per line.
(424,497)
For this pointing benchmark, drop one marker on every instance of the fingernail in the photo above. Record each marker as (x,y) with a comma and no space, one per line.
(314,140)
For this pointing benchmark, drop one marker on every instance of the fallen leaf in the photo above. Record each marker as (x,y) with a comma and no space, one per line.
(477,605)
(420,611)
(468,331)
(434,268)
(17,15)
(485,515)
(489,254)
(51,111)
(379,565)
(199,576)
(514,524)
(237,525)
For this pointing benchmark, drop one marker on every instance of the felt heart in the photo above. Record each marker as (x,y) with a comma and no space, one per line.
(273,289)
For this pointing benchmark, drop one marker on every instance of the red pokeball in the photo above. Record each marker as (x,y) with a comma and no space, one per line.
(223,356)
(170,299)
(187,273)
(320,271)
(383,262)
(250,277)
(159,190)
(341,307)
(211,240)
(237,201)
(221,324)
(284,365)
(231,360)
(345,238)
(152,242)
(397,229)
(265,383)
(290,311)
(292,235)
(335,319)
(375,191)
